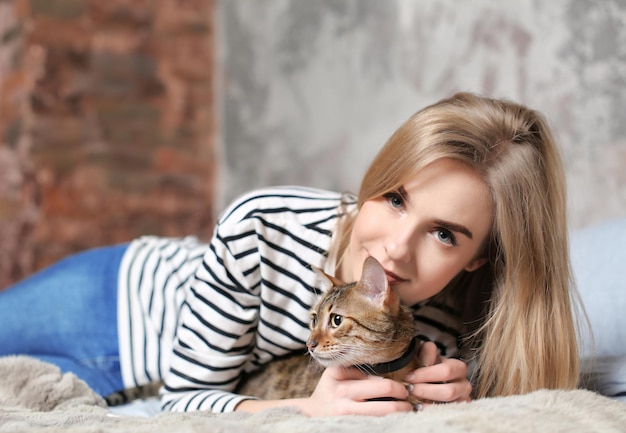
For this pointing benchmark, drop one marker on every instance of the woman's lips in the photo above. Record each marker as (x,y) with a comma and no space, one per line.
(393,278)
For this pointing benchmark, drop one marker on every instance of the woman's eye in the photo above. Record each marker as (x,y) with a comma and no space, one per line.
(445,236)
(335,320)
(394,199)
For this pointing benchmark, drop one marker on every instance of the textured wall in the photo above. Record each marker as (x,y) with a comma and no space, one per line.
(311,89)
(107,106)
(106,125)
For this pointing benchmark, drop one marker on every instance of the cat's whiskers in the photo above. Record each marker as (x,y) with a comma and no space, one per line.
(365,369)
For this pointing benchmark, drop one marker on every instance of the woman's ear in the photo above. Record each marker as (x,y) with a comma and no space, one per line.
(475,264)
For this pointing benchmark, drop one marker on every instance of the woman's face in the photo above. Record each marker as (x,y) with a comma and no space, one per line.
(425,233)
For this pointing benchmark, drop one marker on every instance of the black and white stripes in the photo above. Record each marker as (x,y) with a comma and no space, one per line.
(199,315)
(153,284)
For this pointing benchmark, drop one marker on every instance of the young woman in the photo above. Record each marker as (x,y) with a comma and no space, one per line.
(465,209)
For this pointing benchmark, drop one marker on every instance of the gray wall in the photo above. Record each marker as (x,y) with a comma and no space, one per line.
(311,89)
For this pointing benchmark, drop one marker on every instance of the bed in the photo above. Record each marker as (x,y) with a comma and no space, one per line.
(37,397)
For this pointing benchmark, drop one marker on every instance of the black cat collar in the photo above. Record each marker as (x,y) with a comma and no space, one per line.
(391,366)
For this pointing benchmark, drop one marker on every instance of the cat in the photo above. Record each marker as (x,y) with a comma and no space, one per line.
(361,324)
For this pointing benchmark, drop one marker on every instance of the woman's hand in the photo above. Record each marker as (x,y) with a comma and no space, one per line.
(348,391)
(343,391)
(441,380)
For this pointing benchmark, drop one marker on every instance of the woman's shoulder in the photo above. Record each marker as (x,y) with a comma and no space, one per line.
(282,199)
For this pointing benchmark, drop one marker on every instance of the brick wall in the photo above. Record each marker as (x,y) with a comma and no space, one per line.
(106,125)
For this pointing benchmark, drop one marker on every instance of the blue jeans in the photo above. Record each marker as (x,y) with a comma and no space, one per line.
(66,314)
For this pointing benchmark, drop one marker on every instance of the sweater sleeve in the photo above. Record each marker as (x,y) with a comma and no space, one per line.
(217,324)
(250,298)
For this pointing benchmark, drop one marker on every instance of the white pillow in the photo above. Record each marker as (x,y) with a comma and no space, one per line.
(598,255)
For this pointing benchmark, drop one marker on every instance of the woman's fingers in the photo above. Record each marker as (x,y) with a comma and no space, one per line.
(344,391)
(442,380)
(445,370)
(373,408)
(428,353)
(443,392)
(354,384)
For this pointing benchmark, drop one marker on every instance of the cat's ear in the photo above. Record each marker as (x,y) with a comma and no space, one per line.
(375,284)
(329,280)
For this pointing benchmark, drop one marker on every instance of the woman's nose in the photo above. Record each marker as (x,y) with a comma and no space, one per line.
(398,244)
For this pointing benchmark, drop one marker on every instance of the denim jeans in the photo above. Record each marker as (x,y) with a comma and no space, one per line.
(66,314)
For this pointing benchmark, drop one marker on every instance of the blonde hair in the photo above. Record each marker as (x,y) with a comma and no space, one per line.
(519,319)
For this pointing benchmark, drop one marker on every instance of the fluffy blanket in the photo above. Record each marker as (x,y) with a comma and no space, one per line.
(36,397)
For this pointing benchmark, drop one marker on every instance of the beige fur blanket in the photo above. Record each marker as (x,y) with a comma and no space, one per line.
(36,397)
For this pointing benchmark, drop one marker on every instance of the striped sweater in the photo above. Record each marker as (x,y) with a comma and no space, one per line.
(198,315)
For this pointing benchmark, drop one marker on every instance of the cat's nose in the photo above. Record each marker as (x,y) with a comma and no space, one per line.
(311,344)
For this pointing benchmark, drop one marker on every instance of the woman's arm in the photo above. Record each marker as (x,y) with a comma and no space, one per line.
(342,391)
(251,296)
(216,330)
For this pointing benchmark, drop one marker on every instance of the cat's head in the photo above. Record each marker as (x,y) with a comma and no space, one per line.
(359,323)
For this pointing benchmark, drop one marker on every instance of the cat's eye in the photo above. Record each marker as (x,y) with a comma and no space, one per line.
(335,320)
